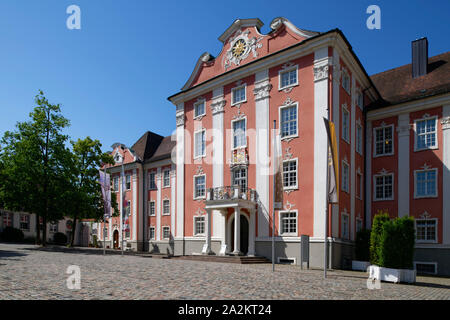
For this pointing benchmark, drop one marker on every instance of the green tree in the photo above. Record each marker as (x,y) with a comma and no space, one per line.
(375,236)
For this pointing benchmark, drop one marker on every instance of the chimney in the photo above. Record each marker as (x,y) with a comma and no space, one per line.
(419,57)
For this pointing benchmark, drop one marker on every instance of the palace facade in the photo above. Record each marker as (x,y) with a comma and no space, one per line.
(208,189)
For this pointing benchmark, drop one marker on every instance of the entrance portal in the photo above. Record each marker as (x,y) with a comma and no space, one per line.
(243,235)
(116,239)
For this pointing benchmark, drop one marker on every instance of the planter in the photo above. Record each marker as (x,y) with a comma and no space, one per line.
(360,265)
(392,275)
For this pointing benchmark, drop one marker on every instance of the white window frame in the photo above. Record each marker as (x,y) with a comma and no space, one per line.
(195,225)
(359,139)
(20,222)
(375,154)
(195,144)
(436,236)
(53,228)
(360,221)
(345,187)
(199,102)
(281,123)
(9,219)
(427,262)
(164,178)
(154,233)
(116,181)
(232,133)
(237,88)
(345,110)
(127,176)
(347,237)
(280,223)
(165,213)
(150,208)
(344,74)
(375,198)
(436,185)
(359,197)
(359,95)
(194,185)
(296,175)
(162,231)
(246,176)
(286,70)
(150,187)
(436,123)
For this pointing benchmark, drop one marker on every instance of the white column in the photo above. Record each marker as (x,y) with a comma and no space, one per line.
(352,159)
(368,174)
(237,231)
(321,62)
(158,204)
(251,243)
(403,165)
(262,126)
(336,117)
(135,205)
(173,201)
(180,171)
(446,174)
(207,248)
(142,212)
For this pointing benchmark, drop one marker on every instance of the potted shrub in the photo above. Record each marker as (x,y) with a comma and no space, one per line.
(10,234)
(60,238)
(392,249)
(362,251)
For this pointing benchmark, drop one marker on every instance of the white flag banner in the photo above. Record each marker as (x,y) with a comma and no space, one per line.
(105,182)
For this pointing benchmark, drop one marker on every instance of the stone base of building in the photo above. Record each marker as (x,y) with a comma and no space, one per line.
(432,258)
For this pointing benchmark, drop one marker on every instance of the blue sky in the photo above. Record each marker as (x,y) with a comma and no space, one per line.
(113,76)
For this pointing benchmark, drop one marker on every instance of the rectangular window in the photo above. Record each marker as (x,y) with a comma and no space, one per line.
(426,183)
(344,226)
(290,174)
(151,233)
(151,181)
(288,223)
(199,228)
(360,100)
(238,95)
(200,186)
(288,78)
(151,208)
(359,185)
(166,207)
(345,176)
(426,134)
(240,178)
(346,81)
(166,180)
(239,135)
(384,141)
(200,143)
(7,219)
(199,109)
(426,230)
(116,183)
(358,224)
(288,121)
(128,182)
(166,232)
(345,125)
(24,222)
(359,139)
(384,187)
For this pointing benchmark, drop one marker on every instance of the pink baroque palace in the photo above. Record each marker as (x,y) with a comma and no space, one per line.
(208,189)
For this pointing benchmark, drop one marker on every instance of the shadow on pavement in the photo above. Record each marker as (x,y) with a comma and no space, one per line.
(9,254)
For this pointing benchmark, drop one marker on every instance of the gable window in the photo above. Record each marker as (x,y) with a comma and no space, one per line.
(425,183)
(166,207)
(238,95)
(166,180)
(240,178)
(359,139)
(426,230)
(151,181)
(199,226)
(24,222)
(345,124)
(288,78)
(128,182)
(199,186)
(151,233)
(426,134)
(200,143)
(384,140)
(166,232)
(345,176)
(288,223)
(288,121)
(345,226)
(7,219)
(384,186)
(199,109)
(290,174)
(151,208)
(239,135)
(116,183)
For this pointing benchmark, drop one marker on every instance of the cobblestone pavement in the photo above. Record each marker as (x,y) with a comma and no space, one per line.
(29,273)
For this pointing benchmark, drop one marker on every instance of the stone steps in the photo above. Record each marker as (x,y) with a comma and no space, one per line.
(226,259)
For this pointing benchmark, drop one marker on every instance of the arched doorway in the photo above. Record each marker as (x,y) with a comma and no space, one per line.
(116,239)
(243,234)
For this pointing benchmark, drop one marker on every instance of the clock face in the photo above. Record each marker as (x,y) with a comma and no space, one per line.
(239,48)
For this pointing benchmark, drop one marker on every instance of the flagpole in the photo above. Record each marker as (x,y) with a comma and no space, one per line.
(104,220)
(123,196)
(325,240)
(273,195)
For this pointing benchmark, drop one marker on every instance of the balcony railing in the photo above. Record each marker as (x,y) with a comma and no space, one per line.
(231,193)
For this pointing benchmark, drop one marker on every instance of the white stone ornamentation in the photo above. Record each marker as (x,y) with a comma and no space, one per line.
(445,122)
(218,105)
(262,90)
(320,72)
(249,46)
(180,119)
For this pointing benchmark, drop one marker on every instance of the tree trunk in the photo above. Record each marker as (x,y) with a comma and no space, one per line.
(44,231)
(74,229)
(38,231)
